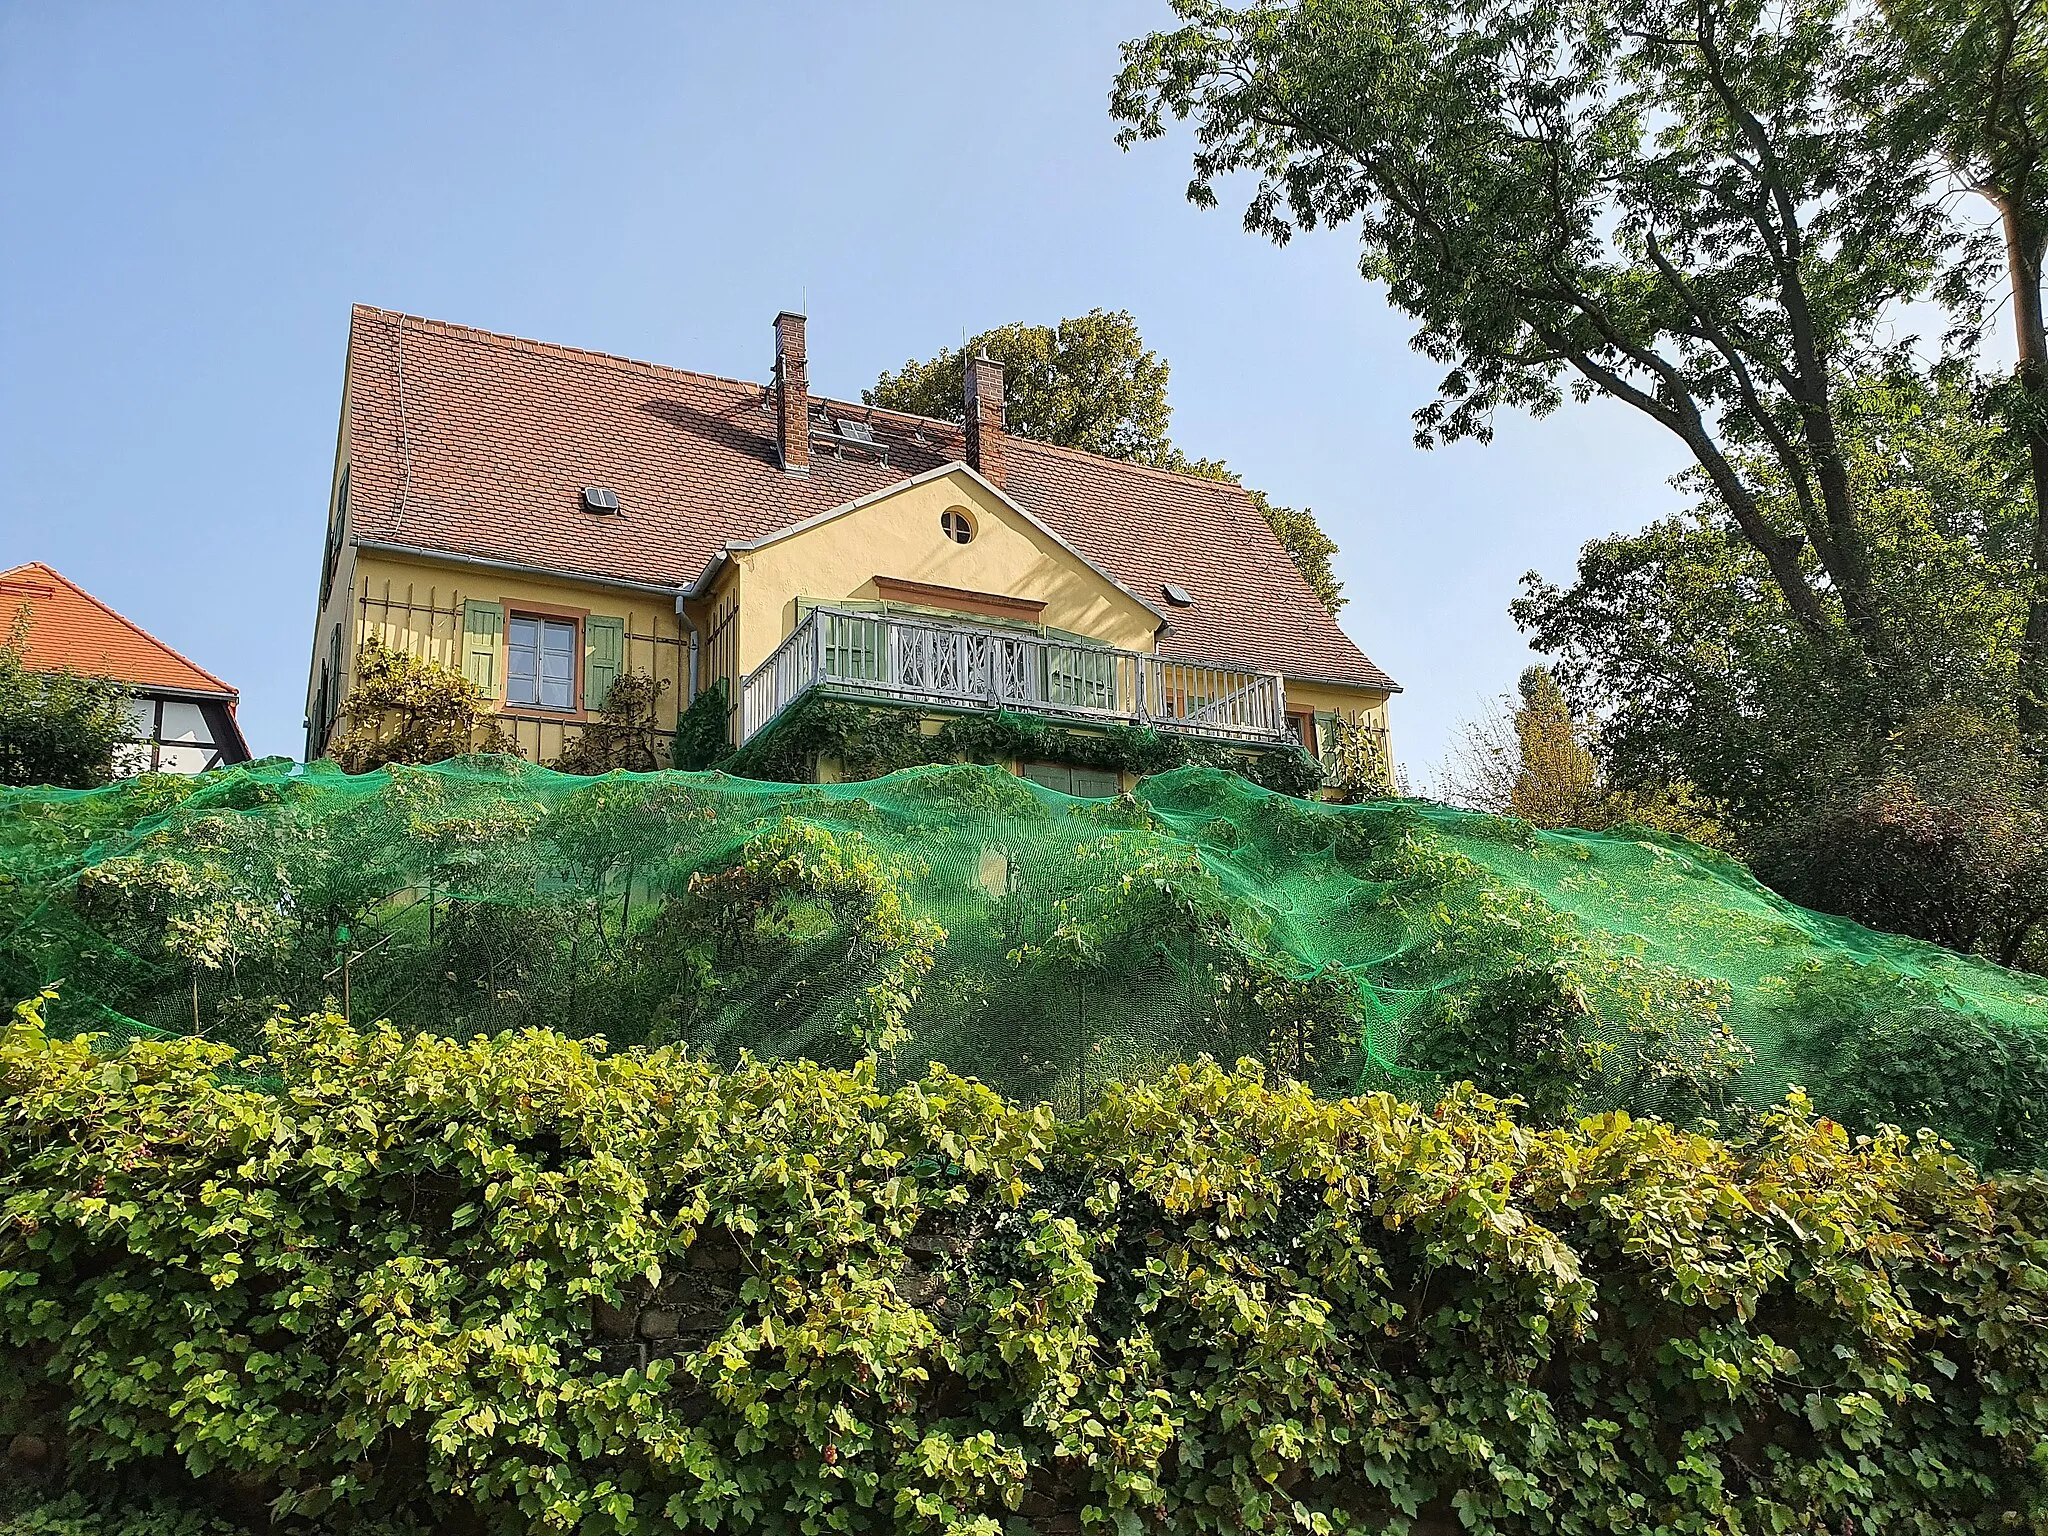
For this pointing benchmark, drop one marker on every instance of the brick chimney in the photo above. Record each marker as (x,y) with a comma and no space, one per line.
(792,395)
(985,417)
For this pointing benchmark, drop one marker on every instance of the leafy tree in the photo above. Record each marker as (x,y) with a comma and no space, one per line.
(1091,383)
(1557,783)
(1531,759)
(623,734)
(58,728)
(1537,760)
(1930,826)
(1979,98)
(1678,204)
(1700,669)
(406,709)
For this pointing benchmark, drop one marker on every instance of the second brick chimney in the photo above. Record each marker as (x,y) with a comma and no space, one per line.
(985,417)
(792,395)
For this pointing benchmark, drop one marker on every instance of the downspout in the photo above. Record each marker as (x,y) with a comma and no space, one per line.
(696,639)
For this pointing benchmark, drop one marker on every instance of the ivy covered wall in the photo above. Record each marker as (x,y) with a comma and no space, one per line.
(868,741)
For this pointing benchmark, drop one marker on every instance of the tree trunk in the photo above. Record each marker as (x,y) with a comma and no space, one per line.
(2023,248)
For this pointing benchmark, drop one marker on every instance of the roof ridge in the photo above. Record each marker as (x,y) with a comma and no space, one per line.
(550,348)
(641,365)
(122,619)
(1134,465)
(480,335)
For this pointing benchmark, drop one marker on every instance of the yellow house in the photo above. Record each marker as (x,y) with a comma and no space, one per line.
(547,519)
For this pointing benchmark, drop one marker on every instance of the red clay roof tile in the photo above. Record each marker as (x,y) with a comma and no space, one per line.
(479,444)
(69,627)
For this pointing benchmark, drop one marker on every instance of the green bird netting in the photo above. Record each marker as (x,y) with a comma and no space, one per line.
(1045,944)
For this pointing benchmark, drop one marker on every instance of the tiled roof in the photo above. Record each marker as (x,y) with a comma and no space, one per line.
(1150,528)
(68,626)
(479,444)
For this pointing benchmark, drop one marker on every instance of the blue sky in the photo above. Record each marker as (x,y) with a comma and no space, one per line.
(194,195)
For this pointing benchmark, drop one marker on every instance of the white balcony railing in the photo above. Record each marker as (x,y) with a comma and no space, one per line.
(913,661)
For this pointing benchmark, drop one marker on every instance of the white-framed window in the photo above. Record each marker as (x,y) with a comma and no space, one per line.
(540,662)
(958,524)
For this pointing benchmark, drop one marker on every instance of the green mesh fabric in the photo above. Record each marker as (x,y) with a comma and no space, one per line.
(1045,944)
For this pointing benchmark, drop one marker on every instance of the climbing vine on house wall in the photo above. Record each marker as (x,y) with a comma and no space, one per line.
(701,739)
(869,742)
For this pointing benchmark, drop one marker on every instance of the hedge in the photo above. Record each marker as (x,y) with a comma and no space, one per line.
(373,1283)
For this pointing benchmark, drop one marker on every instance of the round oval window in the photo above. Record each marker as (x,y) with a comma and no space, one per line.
(958,524)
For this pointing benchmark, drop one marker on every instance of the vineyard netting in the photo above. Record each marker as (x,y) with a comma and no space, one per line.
(1045,944)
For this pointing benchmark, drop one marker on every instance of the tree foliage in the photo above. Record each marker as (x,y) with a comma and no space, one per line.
(1678,204)
(1973,88)
(58,728)
(1537,760)
(1091,383)
(407,709)
(1917,817)
(1557,783)
(1700,670)
(522,1285)
(625,732)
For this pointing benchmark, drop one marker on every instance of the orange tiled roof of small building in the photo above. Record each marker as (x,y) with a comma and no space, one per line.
(474,443)
(69,627)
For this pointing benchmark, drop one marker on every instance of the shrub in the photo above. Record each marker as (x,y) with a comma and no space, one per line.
(1944,838)
(700,730)
(624,733)
(1900,1057)
(518,1284)
(405,709)
(58,728)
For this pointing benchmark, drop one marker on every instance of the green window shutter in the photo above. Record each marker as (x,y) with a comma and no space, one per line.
(604,657)
(853,649)
(1080,676)
(1052,775)
(1096,784)
(482,624)
(1326,735)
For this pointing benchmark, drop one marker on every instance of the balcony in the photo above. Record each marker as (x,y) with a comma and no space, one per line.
(893,659)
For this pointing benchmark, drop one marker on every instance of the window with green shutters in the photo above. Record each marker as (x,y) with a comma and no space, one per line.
(604,658)
(540,662)
(482,624)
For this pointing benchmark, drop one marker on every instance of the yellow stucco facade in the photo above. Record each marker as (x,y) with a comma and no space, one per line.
(897,548)
(901,536)
(441,611)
